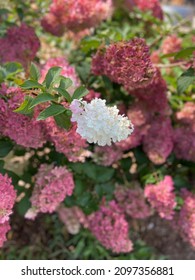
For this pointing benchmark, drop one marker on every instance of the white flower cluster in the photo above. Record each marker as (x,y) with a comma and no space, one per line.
(98,123)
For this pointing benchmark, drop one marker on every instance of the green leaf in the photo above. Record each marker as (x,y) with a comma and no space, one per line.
(2,74)
(63,120)
(169,55)
(4,11)
(41,98)
(34,72)
(89,44)
(1,166)
(29,84)
(99,174)
(84,71)
(52,110)
(105,190)
(13,67)
(64,93)
(80,92)
(181,54)
(20,13)
(25,106)
(23,206)
(65,82)
(185,53)
(80,187)
(52,76)
(5,147)
(84,199)
(108,83)
(185,80)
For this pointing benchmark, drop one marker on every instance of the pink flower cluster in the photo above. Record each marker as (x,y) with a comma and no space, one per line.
(28,132)
(171,44)
(187,115)
(110,228)
(158,142)
(153,94)
(73,218)
(154,131)
(126,63)
(7,200)
(3,113)
(107,155)
(68,142)
(53,25)
(150,5)
(67,71)
(162,197)
(75,15)
(186,218)
(4,228)
(52,185)
(132,201)
(147,5)
(184,140)
(184,133)
(22,129)
(91,95)
(20,44)
(140,116)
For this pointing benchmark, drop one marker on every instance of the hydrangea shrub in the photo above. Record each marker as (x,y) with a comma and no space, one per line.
(104,126)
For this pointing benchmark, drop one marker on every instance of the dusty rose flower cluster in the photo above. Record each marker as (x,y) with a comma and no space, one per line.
(187,115)
(126,63)
(4,228)
(91,95)
(7,200)
(52,185)
(186,217)
(22,129)
(110,228)
(162,198)
(153,131)
(75,15)
(132,201)
(3,112)
(158,141)
(140,116)
(52,24)
(28,132)
(149,113)
(171,44)
(68,142)
(149,5)
(153,94)
(73,218)
(107,155)
(20,44)
(184,133)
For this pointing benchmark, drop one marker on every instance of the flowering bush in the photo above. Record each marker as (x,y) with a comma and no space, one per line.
(97,127)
